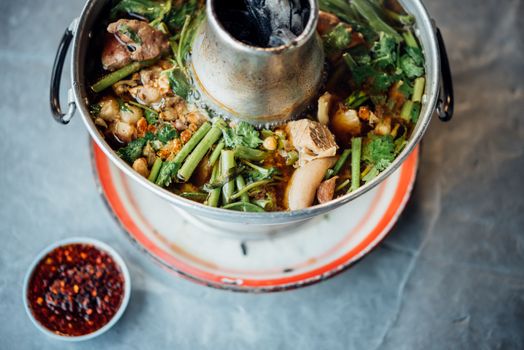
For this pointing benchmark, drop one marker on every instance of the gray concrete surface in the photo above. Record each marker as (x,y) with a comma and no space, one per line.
(450,275)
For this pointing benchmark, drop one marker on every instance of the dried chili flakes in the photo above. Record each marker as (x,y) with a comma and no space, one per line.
(75,289)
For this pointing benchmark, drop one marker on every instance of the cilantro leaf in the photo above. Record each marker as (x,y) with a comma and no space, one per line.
(176,17)
(338,39)
(257,173)
(133,150)
(243,134)
(410,67)
(178,82)
(416,54)
(151,116)
(385,51)
(166,133)
(379,152)
(149,9)
(382,81)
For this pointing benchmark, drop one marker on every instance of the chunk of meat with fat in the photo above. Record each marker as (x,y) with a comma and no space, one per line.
(115,55)
(132,40)
(311,139)
(345,123)
(303,185)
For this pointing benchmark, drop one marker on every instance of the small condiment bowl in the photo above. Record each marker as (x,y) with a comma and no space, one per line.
(99,245)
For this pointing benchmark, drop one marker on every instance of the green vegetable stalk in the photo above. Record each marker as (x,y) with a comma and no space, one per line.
(338,165)
(356,150)
(366,10)
(199,152)
(243,152)
(155,170)
(248,188)
(216,153)
(120,74)
(405,112)
(192,143)
(167,173)
(214,194)
(241,183)
(418,89)
(227,162)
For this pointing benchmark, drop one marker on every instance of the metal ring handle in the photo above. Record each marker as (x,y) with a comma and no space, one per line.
(446,102)
(56,75)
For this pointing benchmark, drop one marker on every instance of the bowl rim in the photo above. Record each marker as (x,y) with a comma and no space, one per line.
(119,261)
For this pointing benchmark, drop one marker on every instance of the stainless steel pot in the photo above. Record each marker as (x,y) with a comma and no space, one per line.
(258,85)
(438,96)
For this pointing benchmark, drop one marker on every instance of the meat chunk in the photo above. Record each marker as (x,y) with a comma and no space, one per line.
(311,139)
(132,40)
(114,55)
(345,123)
(326,190)
(301,188)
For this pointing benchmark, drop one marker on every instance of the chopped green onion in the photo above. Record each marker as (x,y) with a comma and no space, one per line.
(241,183)
(199,152)
(249,188)
(120,74)
(216,153)
(214,194)
(155,169)
(338,165)
(418,89)
(356,149)
(405,113)
(227,162)
(192,143)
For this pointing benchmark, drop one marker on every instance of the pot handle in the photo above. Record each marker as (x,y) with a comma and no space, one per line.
(56,75)
(446,100)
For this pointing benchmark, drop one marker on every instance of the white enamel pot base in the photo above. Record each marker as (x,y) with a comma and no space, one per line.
(311,252)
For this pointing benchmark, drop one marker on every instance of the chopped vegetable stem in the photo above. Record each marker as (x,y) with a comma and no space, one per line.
(247,153)
(356,149)
(192,143)
(367,11)
(120,74)
(418,89)
(241,183)
(338,165)
(249,188)
(155,169)
(214,194)
(410,40)
(405,113)
(199,152)
(227,161)
(216,153)
(139,105)
(342,185)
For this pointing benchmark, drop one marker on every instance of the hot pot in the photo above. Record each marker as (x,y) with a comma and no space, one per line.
(438,98)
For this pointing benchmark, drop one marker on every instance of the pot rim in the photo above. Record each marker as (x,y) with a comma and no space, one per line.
(424,24)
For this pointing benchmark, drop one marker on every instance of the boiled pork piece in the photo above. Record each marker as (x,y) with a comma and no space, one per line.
(132,40)
(311,139)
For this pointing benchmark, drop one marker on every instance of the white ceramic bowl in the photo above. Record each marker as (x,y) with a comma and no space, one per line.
(118,261)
